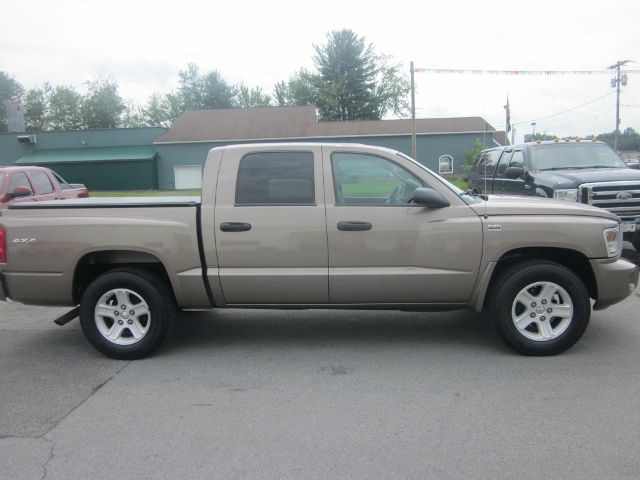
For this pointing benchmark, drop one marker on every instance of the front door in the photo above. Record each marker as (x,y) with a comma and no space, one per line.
(385,250)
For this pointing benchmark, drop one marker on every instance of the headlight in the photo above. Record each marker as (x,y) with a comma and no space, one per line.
(569,195)
(613,241)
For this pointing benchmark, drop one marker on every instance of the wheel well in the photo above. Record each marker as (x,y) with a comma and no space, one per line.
(573,260)
(94,264)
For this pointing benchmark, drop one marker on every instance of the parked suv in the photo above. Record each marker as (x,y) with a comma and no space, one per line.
(576,171)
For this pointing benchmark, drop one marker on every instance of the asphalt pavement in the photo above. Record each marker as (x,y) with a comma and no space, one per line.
(320,395)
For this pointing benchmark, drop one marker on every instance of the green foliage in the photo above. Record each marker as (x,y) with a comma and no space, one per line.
(203,91)
(36,108)
(353,83)
(9,89)
(64,111)
(298,90)
(629,140)
(471,154)
(251,97)
(539,136)
(102,106)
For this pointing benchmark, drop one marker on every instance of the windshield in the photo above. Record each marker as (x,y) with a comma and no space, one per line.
(573,156)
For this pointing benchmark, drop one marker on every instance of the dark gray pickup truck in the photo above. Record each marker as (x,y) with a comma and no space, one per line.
(574,171)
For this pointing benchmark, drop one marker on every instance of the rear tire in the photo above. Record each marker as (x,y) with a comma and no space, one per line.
(126,313)
(540,308)
(635,241)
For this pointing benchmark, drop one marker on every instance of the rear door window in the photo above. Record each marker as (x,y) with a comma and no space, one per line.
(517,159)
(276,178)
(19,179)
(41,182)
(503,164)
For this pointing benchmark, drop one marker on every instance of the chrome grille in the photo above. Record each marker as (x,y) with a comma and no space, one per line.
(620,198)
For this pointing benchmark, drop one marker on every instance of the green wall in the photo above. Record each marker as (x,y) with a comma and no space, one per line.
(429,150)
(122,175)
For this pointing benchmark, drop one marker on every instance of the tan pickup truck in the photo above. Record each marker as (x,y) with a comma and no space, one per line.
(315,226)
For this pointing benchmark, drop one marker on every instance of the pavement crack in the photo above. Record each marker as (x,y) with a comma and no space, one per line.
(45,466)
(93,392)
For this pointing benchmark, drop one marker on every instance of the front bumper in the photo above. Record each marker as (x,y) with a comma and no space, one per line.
(615,280)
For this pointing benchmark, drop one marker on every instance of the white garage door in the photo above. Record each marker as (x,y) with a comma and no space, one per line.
(188,176)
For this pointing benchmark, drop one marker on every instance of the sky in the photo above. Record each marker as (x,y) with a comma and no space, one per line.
(143,44)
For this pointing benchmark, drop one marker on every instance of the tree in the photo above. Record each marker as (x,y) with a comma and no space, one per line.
(133,116)
(197,92)
(353,83)
(160,110)
(102,106)
(10,89)
(65,109)
(36,108)
(297,90)
(539,136)
(471,154)
(251,97)
(391,89)
(628,140)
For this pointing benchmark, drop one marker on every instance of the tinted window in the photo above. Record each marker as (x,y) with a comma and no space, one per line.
(366,179)
(41,182)
(276,178)
(517,160)
(504,163)
(19,179)
(573,155)
(487,164)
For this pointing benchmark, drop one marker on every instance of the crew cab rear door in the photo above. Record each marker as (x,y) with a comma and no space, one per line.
(385,250)
(271,238)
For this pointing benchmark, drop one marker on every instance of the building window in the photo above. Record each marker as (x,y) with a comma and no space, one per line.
(445,164)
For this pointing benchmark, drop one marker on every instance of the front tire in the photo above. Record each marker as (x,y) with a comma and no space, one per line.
(125,314)
(540,308)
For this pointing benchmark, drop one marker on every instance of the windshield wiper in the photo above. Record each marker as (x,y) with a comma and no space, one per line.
(558,168)
(472,192)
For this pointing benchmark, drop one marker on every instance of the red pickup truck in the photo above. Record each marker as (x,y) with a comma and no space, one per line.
(33,184)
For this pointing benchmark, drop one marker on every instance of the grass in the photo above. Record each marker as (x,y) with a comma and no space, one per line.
(380,188)
(458,182)
(145,193)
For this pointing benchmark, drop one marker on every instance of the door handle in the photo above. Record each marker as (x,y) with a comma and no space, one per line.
(354,226)
(235,227)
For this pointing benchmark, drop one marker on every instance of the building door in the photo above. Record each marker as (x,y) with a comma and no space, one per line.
(187,176)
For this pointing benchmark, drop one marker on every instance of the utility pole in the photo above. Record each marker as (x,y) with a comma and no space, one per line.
(533,125)
(413,116)
(615,82)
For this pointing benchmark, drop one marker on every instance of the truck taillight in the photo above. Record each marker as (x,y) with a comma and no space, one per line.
(3,246)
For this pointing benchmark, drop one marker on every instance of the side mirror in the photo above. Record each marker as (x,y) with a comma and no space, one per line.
(513,172)
(20,192)
(428,197)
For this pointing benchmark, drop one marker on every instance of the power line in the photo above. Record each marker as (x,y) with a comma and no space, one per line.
(518,72)
(586,117)
(565,111)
